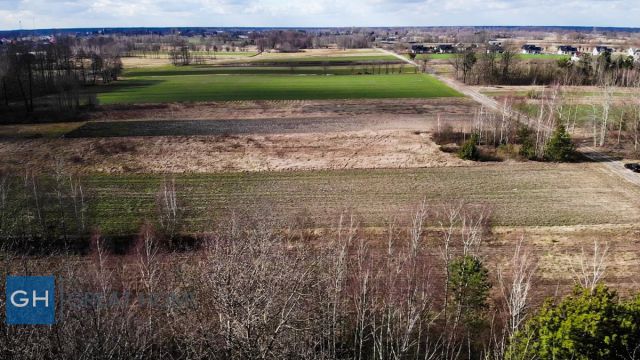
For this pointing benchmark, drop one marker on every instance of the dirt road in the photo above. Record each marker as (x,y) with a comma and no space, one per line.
(612,165)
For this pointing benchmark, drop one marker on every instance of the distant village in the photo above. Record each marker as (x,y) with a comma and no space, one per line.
(499,46)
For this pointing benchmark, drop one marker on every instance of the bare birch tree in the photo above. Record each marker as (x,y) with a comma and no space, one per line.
(591,266)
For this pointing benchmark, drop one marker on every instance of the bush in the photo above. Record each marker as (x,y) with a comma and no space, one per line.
(533,94)
(560,148)
(588,325)
(469,150)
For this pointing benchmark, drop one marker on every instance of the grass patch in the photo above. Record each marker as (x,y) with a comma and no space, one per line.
(34,131)
(434,56)
(581,114)
(543,56)
(158,89)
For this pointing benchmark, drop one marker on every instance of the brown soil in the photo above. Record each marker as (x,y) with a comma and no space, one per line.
(391,108)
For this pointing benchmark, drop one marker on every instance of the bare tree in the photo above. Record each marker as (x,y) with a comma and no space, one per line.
(607,93)
(168,209)
(516,283)
(592,266)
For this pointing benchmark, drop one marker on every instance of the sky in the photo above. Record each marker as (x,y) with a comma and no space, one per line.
(40,14)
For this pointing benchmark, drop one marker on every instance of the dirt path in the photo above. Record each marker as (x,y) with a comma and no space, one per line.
(611,164)
(614,166)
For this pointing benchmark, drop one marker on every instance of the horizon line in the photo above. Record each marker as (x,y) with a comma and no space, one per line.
(322,27)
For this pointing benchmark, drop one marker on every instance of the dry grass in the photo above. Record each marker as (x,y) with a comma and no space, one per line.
(261,152)
(557,249)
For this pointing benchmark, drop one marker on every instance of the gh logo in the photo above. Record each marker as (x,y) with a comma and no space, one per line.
(30,300)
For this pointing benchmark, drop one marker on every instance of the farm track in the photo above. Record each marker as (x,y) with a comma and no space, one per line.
(611,164)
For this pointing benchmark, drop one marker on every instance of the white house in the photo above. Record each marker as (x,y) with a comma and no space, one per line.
(567,50)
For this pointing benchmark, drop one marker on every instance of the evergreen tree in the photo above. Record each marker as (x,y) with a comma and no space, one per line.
(525,138)
(469,150)
(469,283)
(560,148)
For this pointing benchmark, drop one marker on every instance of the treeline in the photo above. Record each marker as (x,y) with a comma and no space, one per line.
(33,69)
(491,68)
(279,40)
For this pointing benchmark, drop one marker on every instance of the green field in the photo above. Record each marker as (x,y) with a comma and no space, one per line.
(518,195)
(191,88)
(170,70)
(519,56)
(212,54)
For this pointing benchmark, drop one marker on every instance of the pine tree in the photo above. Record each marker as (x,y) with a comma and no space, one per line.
(560,148)
(469,150)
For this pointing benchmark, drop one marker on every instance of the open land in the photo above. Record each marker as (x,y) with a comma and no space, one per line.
(285,134)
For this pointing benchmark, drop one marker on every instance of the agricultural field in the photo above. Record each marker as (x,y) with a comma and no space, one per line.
(283,69)
(519,195)
(313,192)
(313,74)
(190,88)
(211,54)
(242,136)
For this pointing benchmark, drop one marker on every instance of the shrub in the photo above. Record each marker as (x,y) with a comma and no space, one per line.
(533,94)
(469,150)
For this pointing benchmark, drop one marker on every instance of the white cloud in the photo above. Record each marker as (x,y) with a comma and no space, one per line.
(112,13)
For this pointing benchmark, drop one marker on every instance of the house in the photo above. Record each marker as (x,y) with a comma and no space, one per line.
(445,49)
(421,49)
(567,50)
(495,46)
(599,50)
(460,47)
(531,49)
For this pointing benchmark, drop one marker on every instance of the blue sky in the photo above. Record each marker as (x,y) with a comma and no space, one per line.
(310,13)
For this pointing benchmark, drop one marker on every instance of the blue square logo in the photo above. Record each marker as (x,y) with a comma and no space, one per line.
(30,300)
